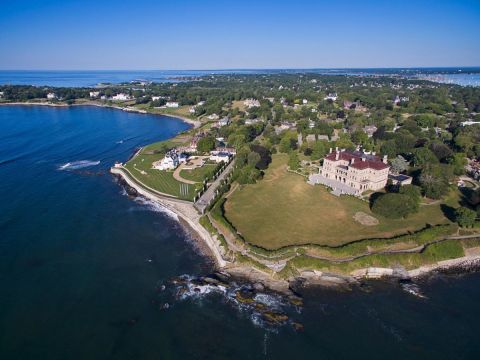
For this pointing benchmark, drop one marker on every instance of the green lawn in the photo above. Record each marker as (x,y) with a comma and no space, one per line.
(158,180)
(199,174)
(282,209)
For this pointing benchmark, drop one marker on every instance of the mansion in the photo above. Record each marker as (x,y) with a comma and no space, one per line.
(352,172)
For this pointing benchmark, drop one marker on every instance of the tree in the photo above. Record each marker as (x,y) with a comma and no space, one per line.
(253,159)
(399,164)
(441,151)
(465,217)
(293,162)
(389,148)
(458,161)
(359,137)
(248,175)
(318,150)
(434,181)
(423,156)
(394,205)
(206,144)
(413,192)
(288,142)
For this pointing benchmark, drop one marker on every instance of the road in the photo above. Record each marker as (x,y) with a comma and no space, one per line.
(208,195)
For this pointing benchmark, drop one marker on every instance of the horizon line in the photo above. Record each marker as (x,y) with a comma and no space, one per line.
(262,68)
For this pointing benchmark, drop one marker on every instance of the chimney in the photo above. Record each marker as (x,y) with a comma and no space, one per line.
(385,159)
(336,148)
(330,150)
(363,159)
(337,156)
(374,153)
(352,161)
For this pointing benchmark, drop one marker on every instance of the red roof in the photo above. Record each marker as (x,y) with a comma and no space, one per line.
(371,161)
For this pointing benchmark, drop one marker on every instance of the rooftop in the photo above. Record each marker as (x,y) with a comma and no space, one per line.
(360,159)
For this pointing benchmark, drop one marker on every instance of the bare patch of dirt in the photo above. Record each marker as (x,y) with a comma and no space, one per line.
(365,219)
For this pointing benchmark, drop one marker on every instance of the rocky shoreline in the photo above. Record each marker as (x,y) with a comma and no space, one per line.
(208,246)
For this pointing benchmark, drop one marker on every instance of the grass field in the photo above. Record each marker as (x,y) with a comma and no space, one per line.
(282,209)
(158,180)
(199,174)
(180,111)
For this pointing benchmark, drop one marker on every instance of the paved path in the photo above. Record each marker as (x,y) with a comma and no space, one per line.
(208,195)
(178,177)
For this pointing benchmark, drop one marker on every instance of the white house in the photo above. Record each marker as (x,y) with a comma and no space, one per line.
(156,98)
(218,156)
(171,104)
(223,122)
(331,96)
(191,110)
(305,101)
(249,103)
(1,94)
(121,97)
(51,96)
(213,117)
(94,94)
(251,121)
(169,162)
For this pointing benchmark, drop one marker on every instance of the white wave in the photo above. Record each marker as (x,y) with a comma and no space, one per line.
(196,291)
(271,301)
(413,290)
(154,206)
(78,165)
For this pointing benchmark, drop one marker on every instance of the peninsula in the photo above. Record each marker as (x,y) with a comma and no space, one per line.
(324,179)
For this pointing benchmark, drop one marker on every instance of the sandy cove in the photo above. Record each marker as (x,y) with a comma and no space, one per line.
(194,123)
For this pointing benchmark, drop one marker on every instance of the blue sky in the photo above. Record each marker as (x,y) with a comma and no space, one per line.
(207,34)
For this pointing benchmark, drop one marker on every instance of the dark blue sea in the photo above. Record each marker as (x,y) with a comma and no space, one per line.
(82,267)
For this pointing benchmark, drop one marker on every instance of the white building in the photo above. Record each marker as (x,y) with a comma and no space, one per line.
(331,96)
(171,104)
(223,122)
(156,98)
(51,96)
(352,172)
(219,156)
(121,97)
(249,103)
(94,94)
(470,122)
(169,162)
(305,101)
(213,117)
(251,121)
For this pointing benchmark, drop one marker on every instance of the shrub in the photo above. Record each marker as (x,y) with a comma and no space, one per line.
(394,206)
(465,217)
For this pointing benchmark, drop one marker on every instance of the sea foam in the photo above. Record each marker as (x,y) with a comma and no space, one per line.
(75,165)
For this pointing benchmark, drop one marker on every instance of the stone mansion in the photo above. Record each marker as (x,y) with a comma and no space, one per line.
(352,172)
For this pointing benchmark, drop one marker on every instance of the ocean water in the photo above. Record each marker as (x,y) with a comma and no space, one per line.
(89,78)
(82,267)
